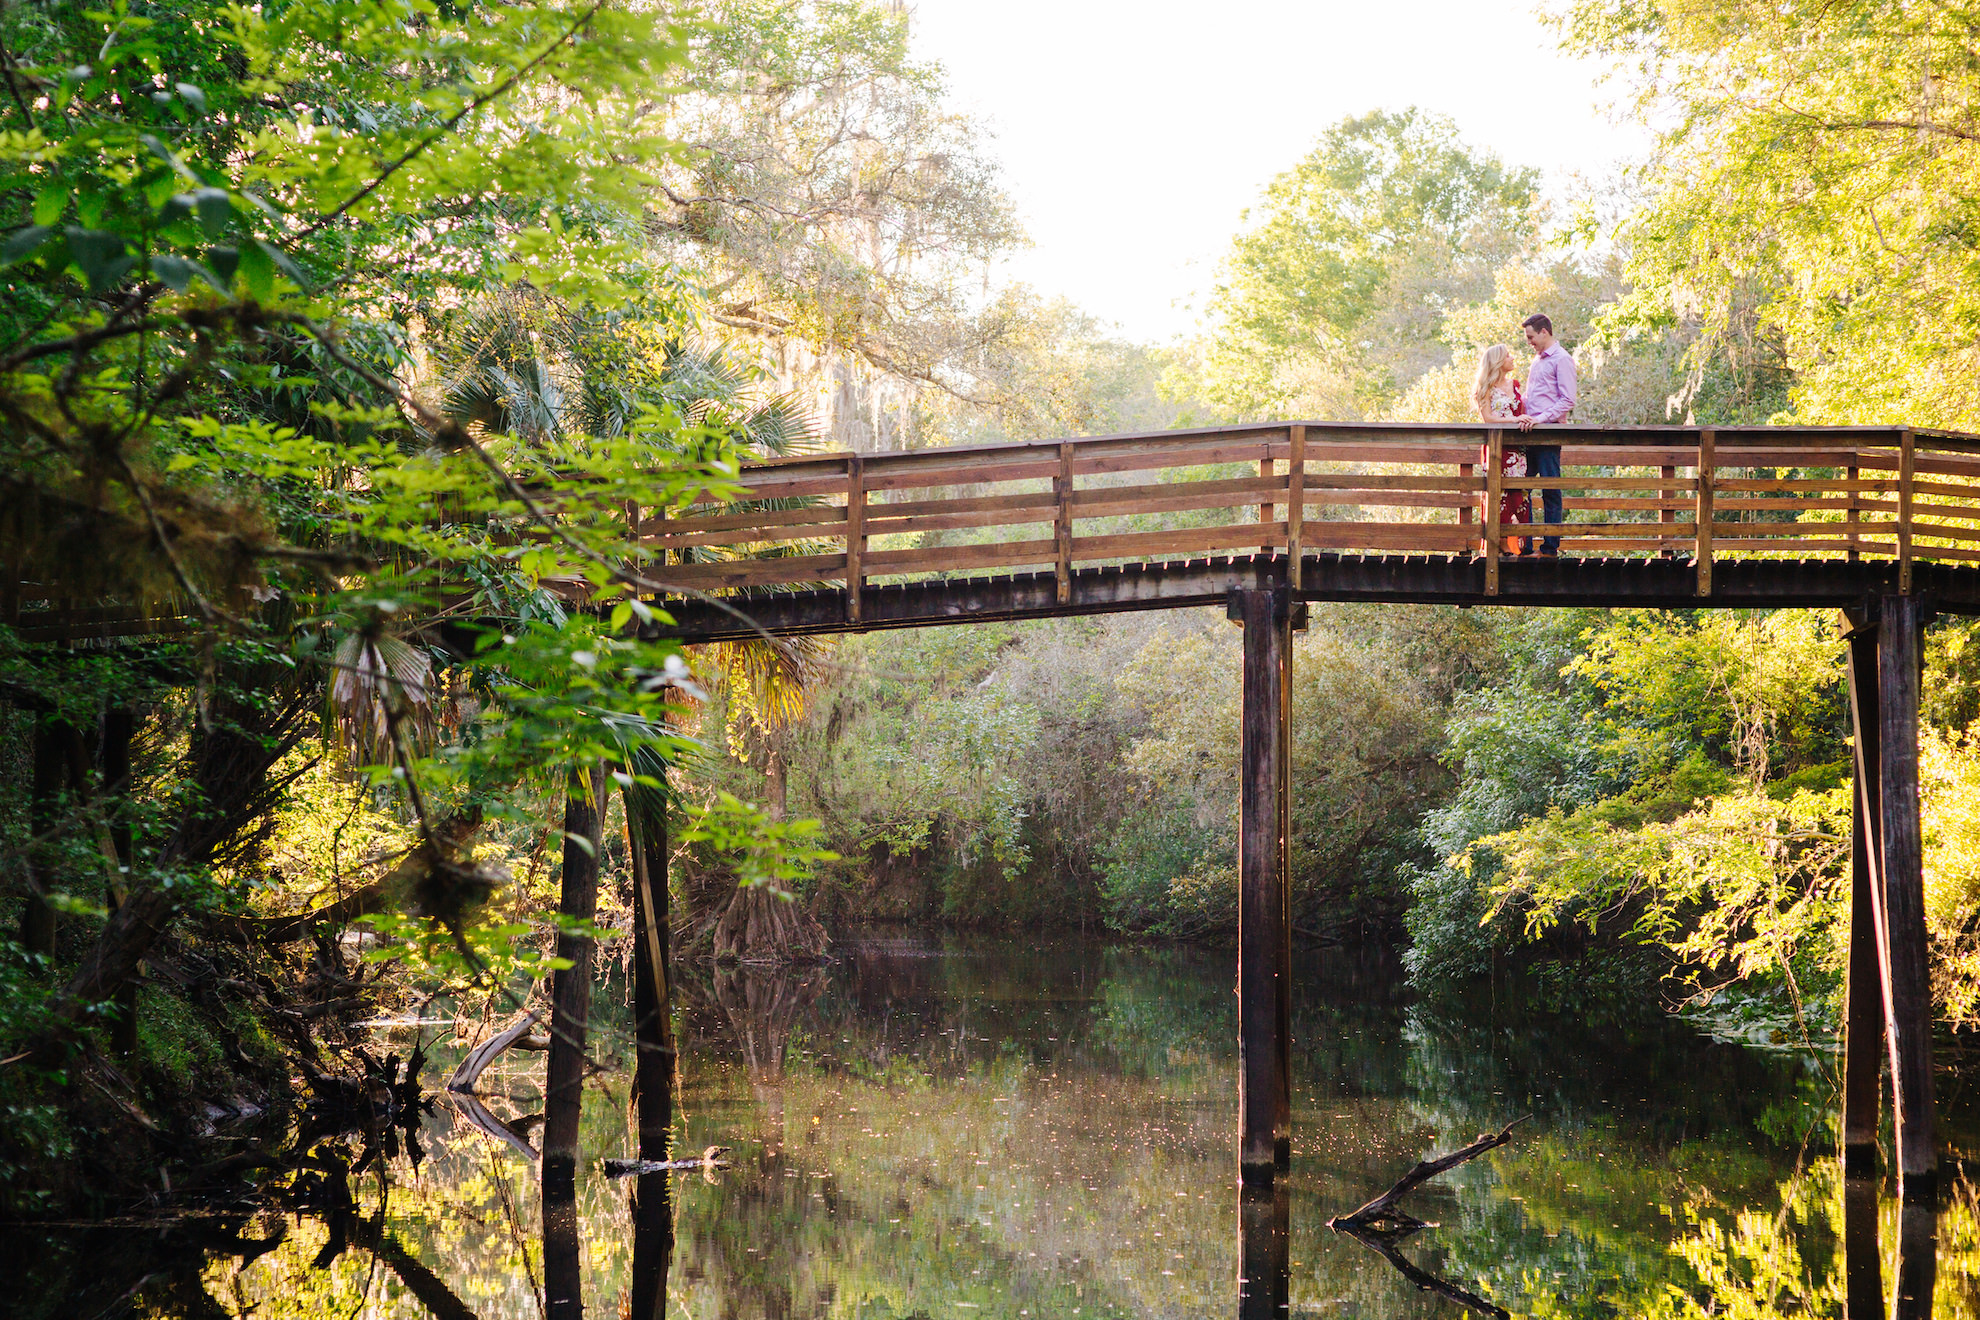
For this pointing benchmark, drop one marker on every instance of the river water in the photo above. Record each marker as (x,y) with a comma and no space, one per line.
(967,1128)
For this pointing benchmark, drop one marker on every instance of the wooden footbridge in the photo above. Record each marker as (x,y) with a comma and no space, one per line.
(1882,524)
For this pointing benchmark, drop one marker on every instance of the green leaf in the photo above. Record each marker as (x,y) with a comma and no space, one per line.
(225,261)
(257,271)
(216,210)
(101,257)
(22,244)
(51,202)
(176,273)
(157,148)
(192,96)
(282,262)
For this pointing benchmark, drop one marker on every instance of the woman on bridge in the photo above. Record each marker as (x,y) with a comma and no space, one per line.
(1496,395)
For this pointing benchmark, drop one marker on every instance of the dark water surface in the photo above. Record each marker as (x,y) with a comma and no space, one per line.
(961,1129)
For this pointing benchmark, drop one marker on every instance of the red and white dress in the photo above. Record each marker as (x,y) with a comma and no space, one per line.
(1506,403)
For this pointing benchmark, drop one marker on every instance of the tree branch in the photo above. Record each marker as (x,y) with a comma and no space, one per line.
(413,152)
(1896,126)
(1380,1211)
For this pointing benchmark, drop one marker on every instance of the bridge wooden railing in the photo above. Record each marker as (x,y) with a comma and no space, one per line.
(853,519)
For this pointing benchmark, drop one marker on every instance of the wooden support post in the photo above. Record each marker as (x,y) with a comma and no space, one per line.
(1906,463)
(570,988)
(1264,1252)
(1863,1015)
(1667,515)
(1282,619)
(1907,988)
(1852,475)
(1917,1262)
(1494,476)
(1295,504)
(1708,462)
(115,733)
(855,537)
(1261,885)
(37,933)
(1266,470)
(1062,488)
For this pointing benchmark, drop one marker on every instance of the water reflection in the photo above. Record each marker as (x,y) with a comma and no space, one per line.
(652,1209)
(1917,1265)
(973,1129)
(1264,1251)
(1864,1263)
(1389,1247)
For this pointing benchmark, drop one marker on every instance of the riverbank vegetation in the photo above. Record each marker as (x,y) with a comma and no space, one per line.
(356,339)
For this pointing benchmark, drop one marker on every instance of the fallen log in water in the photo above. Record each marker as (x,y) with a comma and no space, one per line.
(710,1159)
(482,1055)
(1380,1215)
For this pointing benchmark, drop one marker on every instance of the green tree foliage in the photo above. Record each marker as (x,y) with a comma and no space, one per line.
(1080,771)
(1693,805)
(334,335)
(1350,250)
(830,196)
(1810,197)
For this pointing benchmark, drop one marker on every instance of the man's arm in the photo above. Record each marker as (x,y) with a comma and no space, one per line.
(1564,392)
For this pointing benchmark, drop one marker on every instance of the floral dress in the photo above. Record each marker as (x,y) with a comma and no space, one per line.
(1515,506)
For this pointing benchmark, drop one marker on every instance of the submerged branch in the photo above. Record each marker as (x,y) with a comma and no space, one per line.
(1380,1214)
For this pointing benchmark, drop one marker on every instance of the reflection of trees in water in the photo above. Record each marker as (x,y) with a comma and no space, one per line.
(1636,1118)
(762,1005)
(1117,1130)
(1786,1263)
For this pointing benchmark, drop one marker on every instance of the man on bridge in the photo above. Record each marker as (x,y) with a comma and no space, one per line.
(1550,396)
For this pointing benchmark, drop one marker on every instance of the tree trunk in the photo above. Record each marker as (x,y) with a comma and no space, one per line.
(44,793)
(114,755)
(762,926)
(652,1100)
(229,763)
(776,783)
(570,1012)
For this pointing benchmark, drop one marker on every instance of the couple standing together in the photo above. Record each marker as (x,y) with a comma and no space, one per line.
(1547,399)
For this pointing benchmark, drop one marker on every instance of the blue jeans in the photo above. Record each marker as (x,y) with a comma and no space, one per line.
(1545,461)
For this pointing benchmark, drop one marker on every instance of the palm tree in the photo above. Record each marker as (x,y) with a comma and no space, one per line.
(523,364)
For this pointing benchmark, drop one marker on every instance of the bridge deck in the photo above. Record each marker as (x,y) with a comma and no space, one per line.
(1760,516)
(1439,580)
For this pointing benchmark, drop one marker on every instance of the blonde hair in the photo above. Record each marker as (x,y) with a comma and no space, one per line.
(1493,363)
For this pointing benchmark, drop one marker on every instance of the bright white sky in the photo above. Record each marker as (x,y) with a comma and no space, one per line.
(1132,135)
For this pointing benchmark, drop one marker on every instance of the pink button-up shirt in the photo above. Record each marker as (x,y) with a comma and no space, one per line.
(1550,386)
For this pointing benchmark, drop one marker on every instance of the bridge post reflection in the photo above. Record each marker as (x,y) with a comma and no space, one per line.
(1917,1262)
(1264,1247)
(1863,1260)
(1863,1264)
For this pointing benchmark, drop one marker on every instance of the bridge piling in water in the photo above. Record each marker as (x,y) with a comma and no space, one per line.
(1900,865)
(1890,999)
(1264,940)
